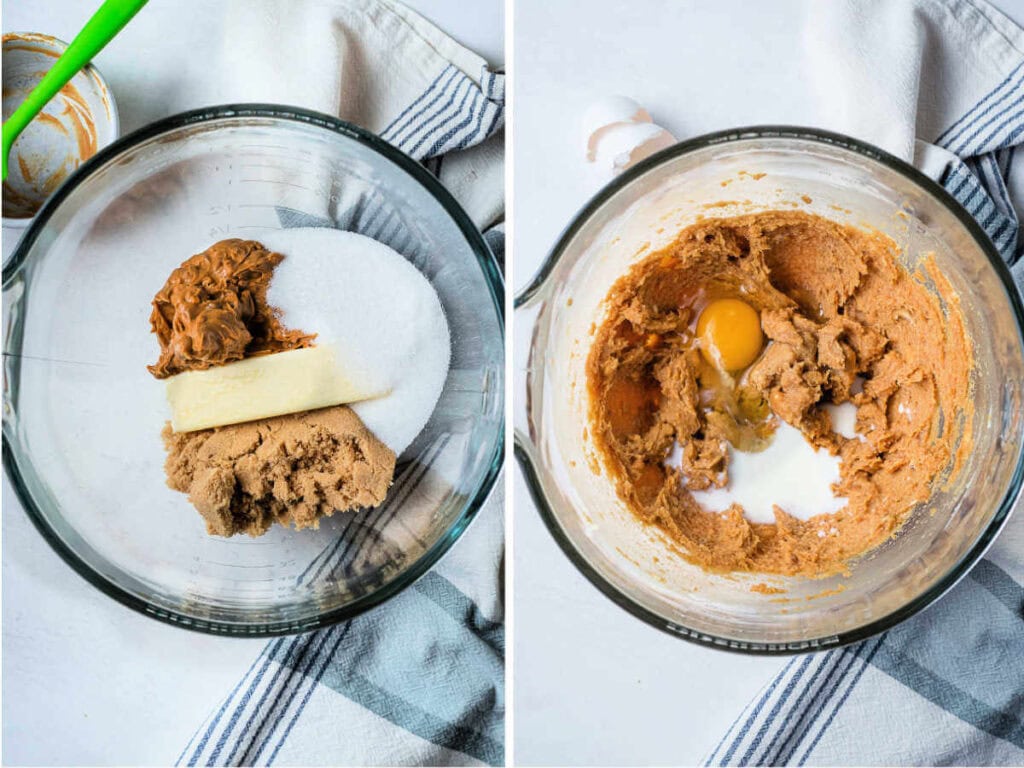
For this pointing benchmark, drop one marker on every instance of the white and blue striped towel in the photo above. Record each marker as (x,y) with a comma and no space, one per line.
(420,679)
(946,687)
(417,681)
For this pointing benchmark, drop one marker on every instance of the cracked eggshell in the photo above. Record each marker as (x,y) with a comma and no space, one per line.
(626,144)
(605,114)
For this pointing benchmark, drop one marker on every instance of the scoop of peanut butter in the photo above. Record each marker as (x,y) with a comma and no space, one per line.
(213,310)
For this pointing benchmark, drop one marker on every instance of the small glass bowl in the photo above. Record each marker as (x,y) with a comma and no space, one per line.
(82,416)
(742,171)
(81,119)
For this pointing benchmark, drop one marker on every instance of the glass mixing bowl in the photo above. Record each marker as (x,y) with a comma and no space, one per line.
(641,211)
(82,416)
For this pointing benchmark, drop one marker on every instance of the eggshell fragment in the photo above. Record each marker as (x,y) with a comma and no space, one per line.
(626,145)
(619,133)
(606,113)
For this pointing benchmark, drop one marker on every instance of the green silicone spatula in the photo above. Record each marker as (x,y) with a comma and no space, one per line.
(100,30)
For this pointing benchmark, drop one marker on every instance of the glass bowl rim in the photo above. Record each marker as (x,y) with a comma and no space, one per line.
(492,276)
(523,447)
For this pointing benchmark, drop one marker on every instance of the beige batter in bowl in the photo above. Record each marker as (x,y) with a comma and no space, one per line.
(734,173)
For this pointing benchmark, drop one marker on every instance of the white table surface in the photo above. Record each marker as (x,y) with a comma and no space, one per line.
(85,680)
(592,685)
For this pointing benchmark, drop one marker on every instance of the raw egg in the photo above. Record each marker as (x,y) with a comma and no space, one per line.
(730,334)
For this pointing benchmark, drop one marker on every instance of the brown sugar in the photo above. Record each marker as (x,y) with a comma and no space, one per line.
(291,470)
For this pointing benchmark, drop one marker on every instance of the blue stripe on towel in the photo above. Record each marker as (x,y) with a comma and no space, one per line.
(799,710)
(325,640)
(472,117)
(298,658)
(457,86)
(991,110)
(426,101)
(439,117)
(270,691)
(756,711)
(1002,587)
(770,719)
(985,105)
(445,117)
(952,699)
(836,663)
(845,662)
(235,716)
(1000,226)
(453,113)
(339,633)
(895,654)
(991,176)
(464,611)
(1005,156)
(865,652)
(915,655)
(468,722)
(1003,134)
(480,123)
(393,127)
(793,719)
(215,720)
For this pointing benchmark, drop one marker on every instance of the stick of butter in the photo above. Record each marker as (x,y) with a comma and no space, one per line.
(265,386)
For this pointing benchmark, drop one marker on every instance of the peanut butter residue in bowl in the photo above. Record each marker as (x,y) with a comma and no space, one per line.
(293,469)
(843,323)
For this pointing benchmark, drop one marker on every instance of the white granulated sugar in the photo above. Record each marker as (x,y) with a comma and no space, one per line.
(789,473)
(376,308)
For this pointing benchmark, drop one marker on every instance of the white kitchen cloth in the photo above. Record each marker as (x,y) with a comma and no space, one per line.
(381,66)
(941,84)
(420,679)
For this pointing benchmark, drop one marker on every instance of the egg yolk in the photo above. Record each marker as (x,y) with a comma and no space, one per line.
(730,334)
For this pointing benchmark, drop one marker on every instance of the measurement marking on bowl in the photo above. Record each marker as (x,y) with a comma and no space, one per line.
(54,360)
(239,565)
(282,147)
(277,181)
(285,153)
(259,165)
(286,159)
